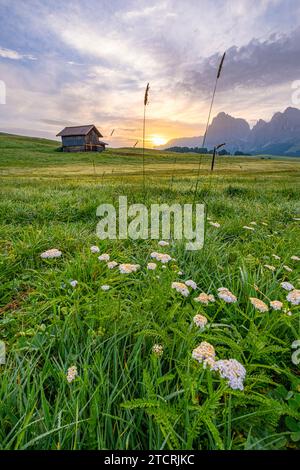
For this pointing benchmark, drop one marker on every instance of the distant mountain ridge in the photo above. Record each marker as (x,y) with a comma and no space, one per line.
(279,136)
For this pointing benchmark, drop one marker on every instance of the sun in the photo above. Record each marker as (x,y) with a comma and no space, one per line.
(158,140)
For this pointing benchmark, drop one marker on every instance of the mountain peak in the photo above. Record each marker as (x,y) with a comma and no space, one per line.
(279,136)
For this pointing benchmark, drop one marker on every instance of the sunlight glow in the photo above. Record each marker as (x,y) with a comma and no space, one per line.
(158,140)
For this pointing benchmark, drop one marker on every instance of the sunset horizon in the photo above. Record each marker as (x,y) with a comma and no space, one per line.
(61,68)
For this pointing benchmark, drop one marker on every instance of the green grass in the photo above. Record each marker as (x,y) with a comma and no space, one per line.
(125,397)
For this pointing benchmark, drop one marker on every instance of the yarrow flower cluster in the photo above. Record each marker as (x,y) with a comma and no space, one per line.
(294,297)
(226,295)
(104,257)
(215,224)
(95,249)
(204,298)
(163,243)
(105,287)
(295,258)
(268,266)
(162,257)
(151,266)
(229,369)
(259,304)
(128,268)
(157,350)
(288,269)
(276,305)
(287,286)
(53,253)
(204,353)
(276,257)
(248,228)
(112,264)
(233,371)
(72,374)
(181,288)
(200,321)
(191,283)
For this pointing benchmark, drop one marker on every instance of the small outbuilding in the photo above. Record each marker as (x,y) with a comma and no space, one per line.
(81,139)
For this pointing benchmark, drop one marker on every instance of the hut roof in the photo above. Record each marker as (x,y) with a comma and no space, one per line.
(78,130)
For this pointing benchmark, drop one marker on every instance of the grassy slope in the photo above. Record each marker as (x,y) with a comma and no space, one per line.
(124,397)
(38,157)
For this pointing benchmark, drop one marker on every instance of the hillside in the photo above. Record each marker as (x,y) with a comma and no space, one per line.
(39,157)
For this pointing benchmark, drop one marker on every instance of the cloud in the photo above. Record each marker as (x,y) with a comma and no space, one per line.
(95,62)
(258,65)
(14,55)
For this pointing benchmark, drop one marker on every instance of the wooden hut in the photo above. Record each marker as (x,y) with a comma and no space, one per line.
(81,139)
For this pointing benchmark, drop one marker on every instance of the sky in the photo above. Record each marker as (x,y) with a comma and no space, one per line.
(88,62)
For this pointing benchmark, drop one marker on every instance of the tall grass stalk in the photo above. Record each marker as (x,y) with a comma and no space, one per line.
(146,100)
(208,121)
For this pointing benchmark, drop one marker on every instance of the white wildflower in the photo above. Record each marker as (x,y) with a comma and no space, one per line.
(191,283)
(287,268)
(215,224)
(163,243)
(72,374)
(157,350)
(204,298)
(248,228)
(151,266)
(226,295)
(276,256)
(162,257)
(287,286)
(181,288)
(200,321)
(294,297)
(233,371)
(95,249)
(53,253)
(128,268)
(105,287)
(268,266)
(295,258)
(205,353)
(104,257)
(112,264)
(276,305)
(73,283)
(259,304)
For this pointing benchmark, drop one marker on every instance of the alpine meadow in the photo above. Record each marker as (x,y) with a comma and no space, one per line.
(140,344)
(149,233)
